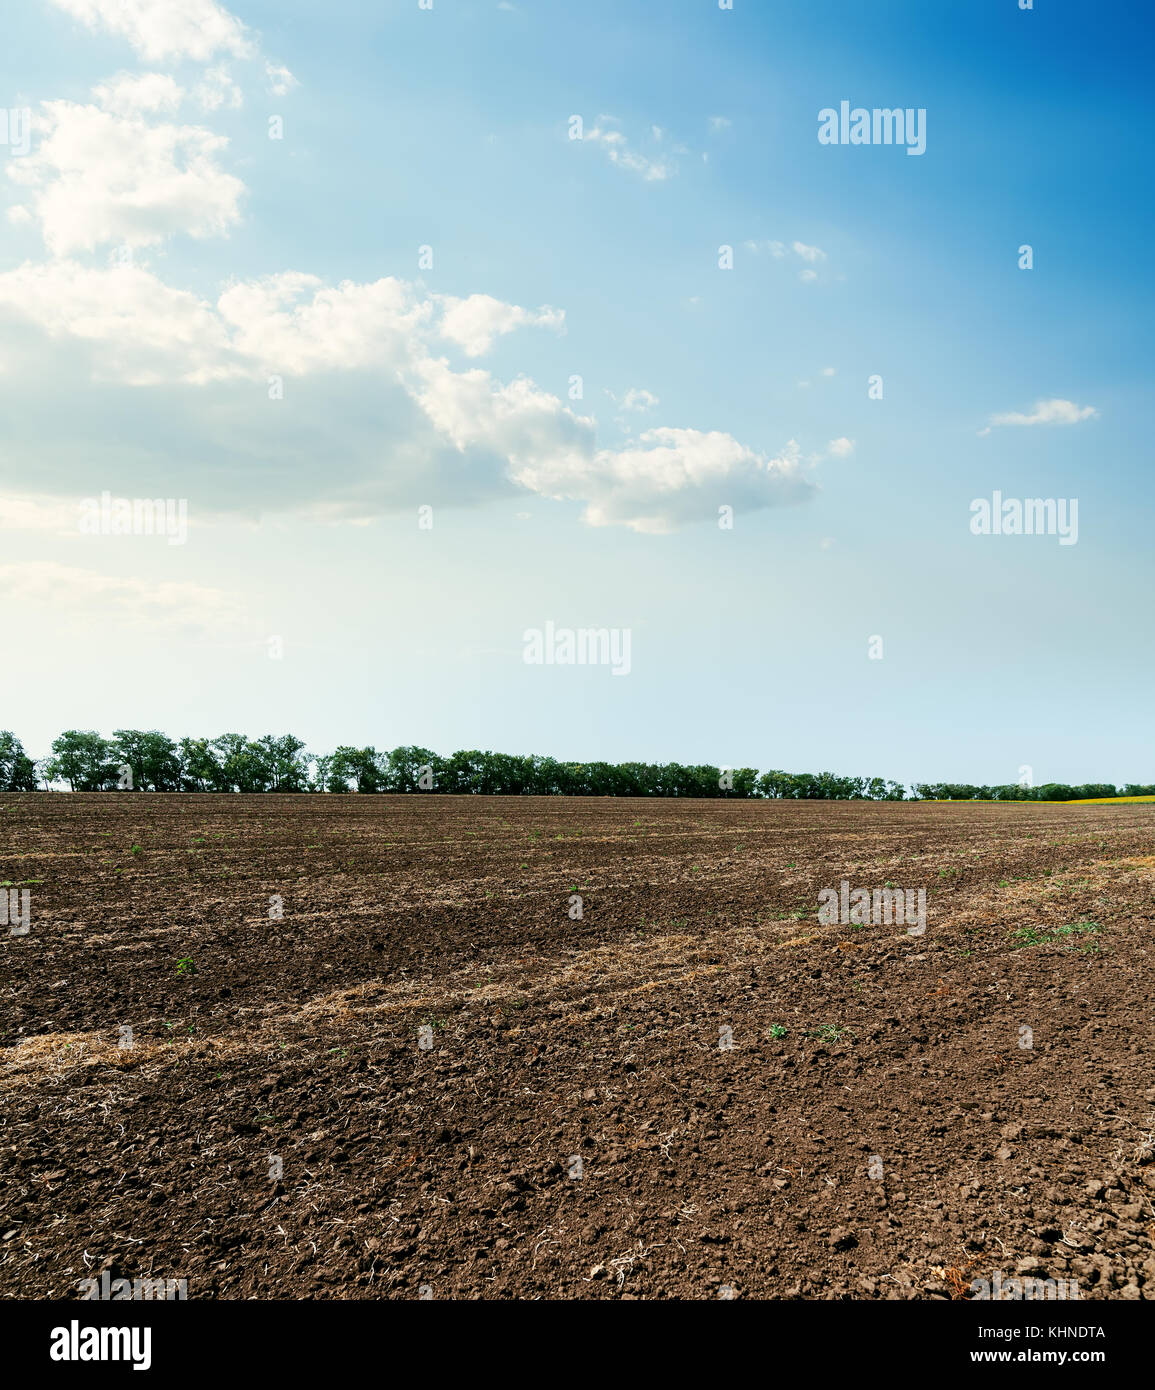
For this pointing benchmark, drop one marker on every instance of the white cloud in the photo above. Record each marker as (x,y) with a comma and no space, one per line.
(217,89)
(69,591)
(476,435)
(618,148)
(140,330)
(129,94)
(840,448)
(808,253)
(166,29)
(1052,412)
(290,323)
(519,421)
(100,177)
(811,255)
(720,123)
(281,81)
(170,387)
(669,477)
(144,332)
(294,323)
(474,323)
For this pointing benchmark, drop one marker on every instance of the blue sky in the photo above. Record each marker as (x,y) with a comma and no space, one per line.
(163,259)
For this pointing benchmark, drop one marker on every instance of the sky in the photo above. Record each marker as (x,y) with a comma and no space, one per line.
(440,326)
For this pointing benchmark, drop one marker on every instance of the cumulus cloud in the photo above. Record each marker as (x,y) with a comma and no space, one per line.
(294,323)
(475,322)
(161,30)
(140,331)
(638,398)
(840,448)
(669,477)
(100,177)
(216,90)
(1052,412)
(177,31)
(147,332)
(426,422)
(130,94)
(517,420)
(283,393)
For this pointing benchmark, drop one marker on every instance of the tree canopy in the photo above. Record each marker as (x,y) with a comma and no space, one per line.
(148,760)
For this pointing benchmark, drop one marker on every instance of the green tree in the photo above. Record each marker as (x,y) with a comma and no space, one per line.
(745,781)
(152,756)
(361,766)
(200,769)
(285,761)
(17,770)
(463,771)
(83,759)
(318,775)
(403,769)
(244,765)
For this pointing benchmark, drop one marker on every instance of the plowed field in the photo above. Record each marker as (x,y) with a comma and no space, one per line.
(364,1047)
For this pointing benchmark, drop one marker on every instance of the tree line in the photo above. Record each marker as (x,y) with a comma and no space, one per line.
(147,760)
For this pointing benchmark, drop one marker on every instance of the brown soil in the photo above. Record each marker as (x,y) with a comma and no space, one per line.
(428,1044)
